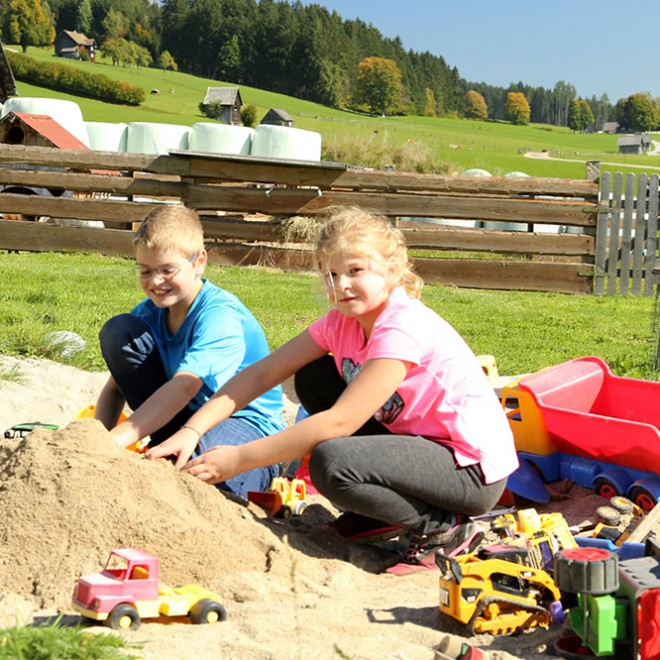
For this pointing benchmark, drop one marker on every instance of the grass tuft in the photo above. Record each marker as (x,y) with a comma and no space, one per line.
(56,642)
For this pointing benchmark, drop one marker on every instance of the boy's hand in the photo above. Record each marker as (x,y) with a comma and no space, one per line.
(215,465)
(182,444)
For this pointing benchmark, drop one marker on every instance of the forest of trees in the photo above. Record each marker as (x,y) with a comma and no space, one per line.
(304,51)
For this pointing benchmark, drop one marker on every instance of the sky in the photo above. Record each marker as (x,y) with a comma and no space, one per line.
(599,46)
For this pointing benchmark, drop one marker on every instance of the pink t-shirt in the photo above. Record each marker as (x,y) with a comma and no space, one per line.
(445,396)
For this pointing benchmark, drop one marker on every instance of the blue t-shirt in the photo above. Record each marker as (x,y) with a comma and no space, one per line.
(218,338)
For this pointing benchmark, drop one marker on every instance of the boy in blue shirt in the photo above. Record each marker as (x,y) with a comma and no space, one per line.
(179,346)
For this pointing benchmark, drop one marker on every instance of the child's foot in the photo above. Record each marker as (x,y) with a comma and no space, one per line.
(363,529)
(462,538)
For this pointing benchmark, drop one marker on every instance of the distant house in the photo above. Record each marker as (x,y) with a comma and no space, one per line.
(30,130)
(7,81)
(633,144)
(73,44)
(223,104)
(611,127)
(277,117)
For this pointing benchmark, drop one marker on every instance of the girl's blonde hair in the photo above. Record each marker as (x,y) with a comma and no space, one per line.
(171,228)
(351,230)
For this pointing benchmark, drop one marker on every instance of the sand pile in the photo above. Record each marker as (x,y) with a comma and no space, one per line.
(69,496)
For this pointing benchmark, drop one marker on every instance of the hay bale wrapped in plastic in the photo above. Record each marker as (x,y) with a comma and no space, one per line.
(153,138)
(286,142)
(221,138)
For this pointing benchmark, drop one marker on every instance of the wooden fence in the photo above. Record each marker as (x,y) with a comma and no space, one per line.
(242,198)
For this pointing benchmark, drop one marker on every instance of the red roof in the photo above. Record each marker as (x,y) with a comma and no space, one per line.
(49,129)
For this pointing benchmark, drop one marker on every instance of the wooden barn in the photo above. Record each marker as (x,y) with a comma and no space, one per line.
(633,144)
(30,130)
(73,44)
(278,117)
(223,104)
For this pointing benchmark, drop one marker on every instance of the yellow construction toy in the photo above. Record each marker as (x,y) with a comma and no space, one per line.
(283,499)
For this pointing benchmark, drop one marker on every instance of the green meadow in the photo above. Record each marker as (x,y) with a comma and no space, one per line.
(358,139)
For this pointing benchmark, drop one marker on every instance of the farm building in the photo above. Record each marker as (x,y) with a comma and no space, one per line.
(633,144)
(223,104)
(7,81)
(36,131)
(611,127)
(277,117)
(73,44)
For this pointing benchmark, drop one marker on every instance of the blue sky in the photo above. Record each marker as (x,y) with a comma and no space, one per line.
(599,46)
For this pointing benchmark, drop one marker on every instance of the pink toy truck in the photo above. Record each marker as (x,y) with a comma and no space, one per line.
(128,590)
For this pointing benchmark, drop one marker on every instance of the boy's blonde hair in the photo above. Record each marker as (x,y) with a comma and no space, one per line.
(172,229)
(352,230)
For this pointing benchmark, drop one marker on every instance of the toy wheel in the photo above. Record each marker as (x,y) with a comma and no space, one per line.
(299,507)
(605,488)
(587,571)
(608,515)
(622,504)
(642,498)
(124,617)
(207,611)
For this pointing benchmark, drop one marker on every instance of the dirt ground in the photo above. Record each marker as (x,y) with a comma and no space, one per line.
(291,589)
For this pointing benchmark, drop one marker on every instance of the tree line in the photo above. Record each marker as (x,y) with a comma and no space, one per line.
(307,52)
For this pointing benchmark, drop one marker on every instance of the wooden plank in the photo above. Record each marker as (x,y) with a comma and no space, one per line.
(86,159)
(228,167)
(69,207)
(246,231)
(601,234)
(42,237)
(442,238)
(93,183)
(471,273)
(500,242)
(626,234)
(639,234)
(288,201)
(650,524)
(391,181)
(508,275)
(651,237)
(613,238)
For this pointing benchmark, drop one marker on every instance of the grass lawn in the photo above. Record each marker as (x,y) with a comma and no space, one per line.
(525,331)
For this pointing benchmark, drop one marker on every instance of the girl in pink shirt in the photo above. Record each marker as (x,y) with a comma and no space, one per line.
(404,432)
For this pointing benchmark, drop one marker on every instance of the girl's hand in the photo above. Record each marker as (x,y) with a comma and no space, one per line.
(215,465)
(182,444)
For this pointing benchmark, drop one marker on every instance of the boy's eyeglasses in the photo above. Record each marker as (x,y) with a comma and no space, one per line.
(167,272)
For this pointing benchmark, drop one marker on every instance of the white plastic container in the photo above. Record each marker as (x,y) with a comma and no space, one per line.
(221,138)
(284,142)
(152,138)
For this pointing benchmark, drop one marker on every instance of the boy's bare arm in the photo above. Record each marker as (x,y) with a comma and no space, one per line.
(158,409)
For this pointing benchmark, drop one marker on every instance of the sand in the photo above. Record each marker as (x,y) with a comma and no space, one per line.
(292,589)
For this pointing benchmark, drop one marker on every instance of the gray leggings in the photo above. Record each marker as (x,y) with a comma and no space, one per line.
(404,480)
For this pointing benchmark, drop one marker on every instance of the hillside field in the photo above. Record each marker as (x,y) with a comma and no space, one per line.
(461,144)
